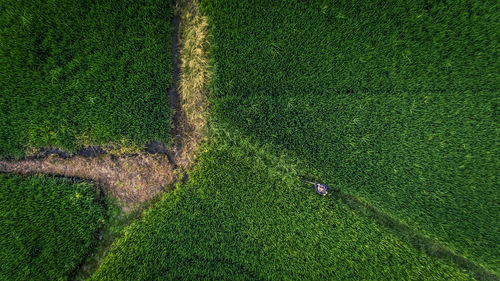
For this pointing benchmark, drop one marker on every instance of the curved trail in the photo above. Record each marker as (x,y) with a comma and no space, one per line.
(129,178)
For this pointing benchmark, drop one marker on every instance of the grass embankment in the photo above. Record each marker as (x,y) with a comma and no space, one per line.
(246,215)
(78,73)
(395,102)
(47,226)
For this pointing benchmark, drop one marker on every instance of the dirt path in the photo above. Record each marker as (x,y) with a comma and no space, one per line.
(137,178)
(129,178)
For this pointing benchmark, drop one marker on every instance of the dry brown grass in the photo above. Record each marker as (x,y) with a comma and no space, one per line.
(194,80)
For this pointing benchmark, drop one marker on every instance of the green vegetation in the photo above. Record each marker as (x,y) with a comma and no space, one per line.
(245,215)
(76,73)
(115,222)
(47,226)
(396,102)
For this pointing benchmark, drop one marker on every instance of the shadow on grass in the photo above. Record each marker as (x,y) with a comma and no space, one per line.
(422,243)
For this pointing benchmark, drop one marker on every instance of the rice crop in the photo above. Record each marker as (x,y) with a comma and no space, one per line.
(246,216)
(47,226)
(395,102)
(80,73)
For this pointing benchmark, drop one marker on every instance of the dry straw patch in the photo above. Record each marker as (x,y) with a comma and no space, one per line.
(194,79)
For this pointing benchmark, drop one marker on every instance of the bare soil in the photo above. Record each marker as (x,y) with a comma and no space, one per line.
(129,178)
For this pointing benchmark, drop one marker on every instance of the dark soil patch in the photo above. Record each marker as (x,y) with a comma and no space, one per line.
(173,93)
(46,152)
(91,151)
(156,147)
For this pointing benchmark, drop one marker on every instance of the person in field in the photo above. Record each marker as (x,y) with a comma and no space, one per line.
(321,189)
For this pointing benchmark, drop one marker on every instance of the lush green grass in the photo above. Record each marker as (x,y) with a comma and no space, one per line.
(396,102)
(116,220)
(76,73)
(47,226)
(244,215)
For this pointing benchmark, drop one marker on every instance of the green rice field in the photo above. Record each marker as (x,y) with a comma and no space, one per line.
(244,215)
(80,73)
(393,104)
(47,226)
(396,102)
